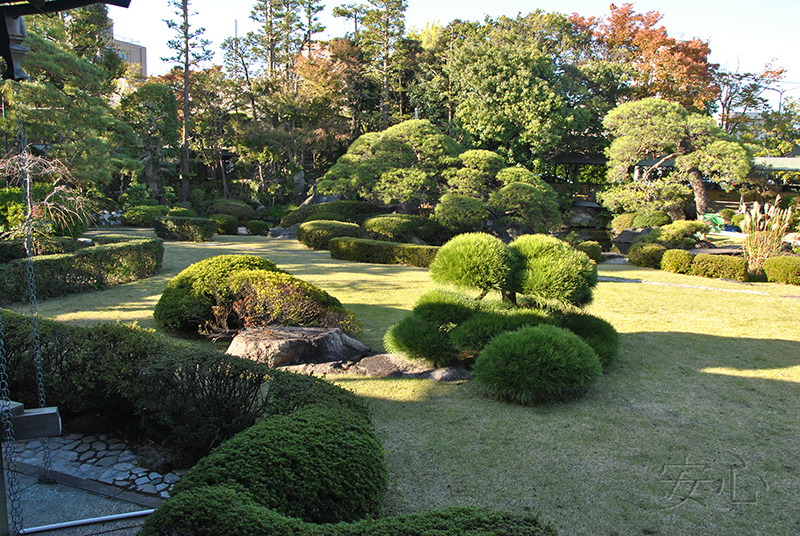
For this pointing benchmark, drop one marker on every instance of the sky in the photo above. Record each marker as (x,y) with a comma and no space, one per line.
(743,36)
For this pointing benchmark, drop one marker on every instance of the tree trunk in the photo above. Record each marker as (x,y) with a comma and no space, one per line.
(186,107)
(700,194)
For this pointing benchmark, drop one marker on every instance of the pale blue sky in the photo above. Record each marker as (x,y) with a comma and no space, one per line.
(747,34)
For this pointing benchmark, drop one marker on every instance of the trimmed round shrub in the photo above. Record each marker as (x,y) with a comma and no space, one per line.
(236,208)
(318,464)
(226,224)
(179,212)
(554,271)
(461,212)
(472,336)
(189,297)
(330,216)
(142,216)
(475,260)
(623,221)
(721,266)
(727,215)
(654,219)
(418,338)
(318,234)
(406,228)
(677,261)
(257,227)
(444,307)
(646,255)
(536,364)
(595,332)
(783,269)
(534,206)
(353,211)
(592,249)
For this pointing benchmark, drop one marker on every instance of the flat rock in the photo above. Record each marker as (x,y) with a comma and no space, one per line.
(385,366)
(279,346)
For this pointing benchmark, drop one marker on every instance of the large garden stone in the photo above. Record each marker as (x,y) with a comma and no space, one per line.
(624,240)
(279,346)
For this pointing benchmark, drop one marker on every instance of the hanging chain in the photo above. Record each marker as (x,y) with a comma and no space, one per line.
(27,189)
(9,461)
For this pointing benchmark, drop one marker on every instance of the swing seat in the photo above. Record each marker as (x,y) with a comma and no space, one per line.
(33,423)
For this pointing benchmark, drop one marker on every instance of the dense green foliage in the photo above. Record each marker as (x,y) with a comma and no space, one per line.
(720,266)
(783,269)
(680,234)
(406,228)
(380,252)
(472,336)
(317,234)
(180,212)
(234,207)
(14,248)
(226,224)
(536,364)
(623,221)
(677,261)
(595,332)
(653,219)
(90,268)
(143,215)
(646,255)
(185,229)
(331,216)
(417,338)
(592,249)
(352,211)
(475,260)
(257,227)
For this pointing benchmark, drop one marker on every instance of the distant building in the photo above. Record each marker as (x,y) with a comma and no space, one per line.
(132,52)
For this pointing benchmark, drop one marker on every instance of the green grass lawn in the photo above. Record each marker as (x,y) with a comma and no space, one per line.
(694,431)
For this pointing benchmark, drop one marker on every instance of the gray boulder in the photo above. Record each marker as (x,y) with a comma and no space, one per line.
(624,240)
(279,346)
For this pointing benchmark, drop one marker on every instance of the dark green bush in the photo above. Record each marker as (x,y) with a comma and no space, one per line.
(91,268)
(406,228)
(727,214)
(105,239)
(623,221)
(319,464)
(290,392)
(653,219)
(476,260)
(317,234)
(419,338)
(682,234)
(330,216)
(461,213)
(646,255)
(236,208)
(595,332)
(143,215)
(677,261)
(180,212)
(472,336)
(554,271)
(187,301)
(444,307)
(783,269)
(257,227)
(226,224)
(14,248)
(536,364)
(185,229)
(377,252)
(353,212)
(592,249)
(220,510)
(720,266)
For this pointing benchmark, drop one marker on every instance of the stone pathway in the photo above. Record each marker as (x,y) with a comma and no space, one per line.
(99,458)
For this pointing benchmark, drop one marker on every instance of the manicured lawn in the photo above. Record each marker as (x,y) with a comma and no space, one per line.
(694,431)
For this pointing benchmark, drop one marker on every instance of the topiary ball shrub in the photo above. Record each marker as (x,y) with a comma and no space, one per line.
(646,255)
(353,211)
(654,219)
(721,266)
(257,227)
(554,271)
(189,297)
(142,216)
(475,260)
(592,249)
(418,338)
(623,221)
(318,464)
(330,216)
(536,364)
(677,261)
(445,307)
(318,234)
(472,336)
(595,332)
(406,228)
(783,269)
(236,208)
(226,224)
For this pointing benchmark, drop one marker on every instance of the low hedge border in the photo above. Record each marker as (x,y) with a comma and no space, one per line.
(783,269)
(720,266)
(91,268)
(378,252)
(317,234)
(185,229)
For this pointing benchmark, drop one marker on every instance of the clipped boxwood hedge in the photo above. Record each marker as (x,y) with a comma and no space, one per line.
(378,252)
(330,216)
(406,228)
(257,227)
(15,248)
(234,207)
(593,250)
(143,216)
(352,211)
(90,268)
(720,266)
(783,269)
(646,255)
(185,229)
(226,224)
(317,234)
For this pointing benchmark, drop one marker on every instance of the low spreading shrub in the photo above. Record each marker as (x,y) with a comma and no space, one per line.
(226,224)
(143,215)
(720,266)
(536,364)
(682,234)
(554,271)
(461,213)
(595,332)
(472,336)
(646,255)
(353,212)
(445,307)
(236,208)
(377,252)
(185,229)
(476,260)
(180,212)
(783,269)
(318,464)
(653,219)
(418,338)
(677,261)
(623,221)
(257,227)
(330,216)
(592,249)
(90,268)
(406,229)
(318,234)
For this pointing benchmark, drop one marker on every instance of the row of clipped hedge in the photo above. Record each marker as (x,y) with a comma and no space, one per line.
(378,252)
(97,267)
(185,229)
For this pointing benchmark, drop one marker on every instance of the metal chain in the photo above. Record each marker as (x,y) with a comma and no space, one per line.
(9,460)
(22,147)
